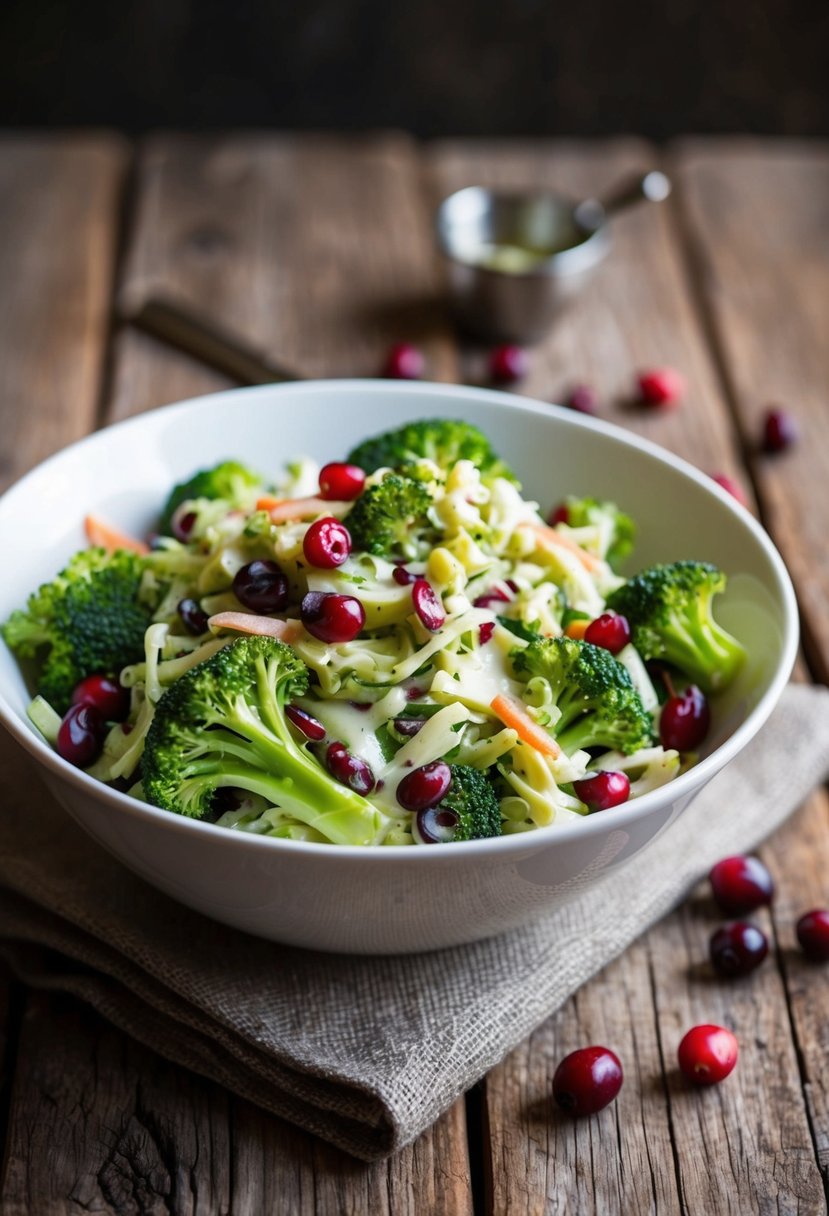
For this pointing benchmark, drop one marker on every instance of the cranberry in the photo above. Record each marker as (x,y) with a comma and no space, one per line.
(707,1054)
(261,586)
(403,362)
(660,386)
(104,694)
(737,949)
(408,726)
(582,399)
(685,719)
(587,1080)
(326,544)
(331,617)
(779,430)
(813,934)
(741,884)
(485,632)
(610,631)
(182,525)
(81,735)
(302,720)
(559,515)
(603,790)
(436,825)
(427,605)
(424,787)
(491,598)
(348,769)
(404,577)
(341,482)
(193,616)
(508,364)
(731,487)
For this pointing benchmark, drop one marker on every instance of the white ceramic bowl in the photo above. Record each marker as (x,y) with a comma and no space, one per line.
(374,901)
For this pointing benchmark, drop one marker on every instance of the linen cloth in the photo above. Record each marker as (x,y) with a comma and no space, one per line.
(364,1052)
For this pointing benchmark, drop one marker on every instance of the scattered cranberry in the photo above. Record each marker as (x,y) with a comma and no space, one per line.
(661,386)
(611,631)
(348,769)
(424,787)
(582,398)
(193,617)
(436,825)
(779,430)
(731,487)
(341,482)
(404,362)
(408,726)
(404,577)
(485,632)
(741,884)
(104,694)
(587,1080)
(603,790)
(508,364)
(559,515)
(81,735)
(303,721)
(491,599)
(261,586)
(427,605)
(707,1054)
(685,719)
(182,525)
(737,949)
(813,934)
(326,544)
(331,617)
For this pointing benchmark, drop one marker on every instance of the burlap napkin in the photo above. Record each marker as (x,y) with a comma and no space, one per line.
(364,1052)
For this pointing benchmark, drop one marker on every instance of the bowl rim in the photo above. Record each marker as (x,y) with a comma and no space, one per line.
(683,787)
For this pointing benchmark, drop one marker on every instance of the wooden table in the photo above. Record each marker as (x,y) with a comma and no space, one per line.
(320,249)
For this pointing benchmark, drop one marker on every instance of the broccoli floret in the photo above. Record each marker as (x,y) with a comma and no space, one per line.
(90,617)
(440,440)
(223,725)
(229,480)
(387,517)
(618,530)
(669,610)
(598,703)
(472,798)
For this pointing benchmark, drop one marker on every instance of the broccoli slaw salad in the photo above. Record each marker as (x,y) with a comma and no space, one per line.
(395,649)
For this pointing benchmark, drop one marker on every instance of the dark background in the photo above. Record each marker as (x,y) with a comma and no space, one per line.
(436,67)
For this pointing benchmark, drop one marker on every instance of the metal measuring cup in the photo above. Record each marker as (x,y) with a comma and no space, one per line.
(515,259)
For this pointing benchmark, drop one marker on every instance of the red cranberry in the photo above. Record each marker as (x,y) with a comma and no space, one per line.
(427,605)
(193,617)
(326,544)
(404,362)
(731,487)
(261,586)
(491,599)
(331,617)
(813,934)
(559,515)
(348,769)
(610,631)
(685,719)
(660,386)
(302,720)
(81,735)
(741,884)
(424,787)
(436,825)
(182,525)
(508,364)
(587,1080)
(779,430)
(603,790)
(582,399)
(737,949)
(341,482)
(408,726)
(104,694)
(707,1054)
(485,632)
(404,577)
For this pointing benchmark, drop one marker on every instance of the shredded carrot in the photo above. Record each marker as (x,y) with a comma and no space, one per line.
(551,538)
(106,536)
(263,626)
(267,502)
(576,629)
(514,715)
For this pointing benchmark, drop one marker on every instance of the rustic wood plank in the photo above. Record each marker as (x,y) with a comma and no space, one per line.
(59,198)
(749,1146)
(318,250)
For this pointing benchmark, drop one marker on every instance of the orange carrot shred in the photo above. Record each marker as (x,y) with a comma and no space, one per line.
(514,715)
(106,536)
(550,537)
(576,629)
(261,626)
